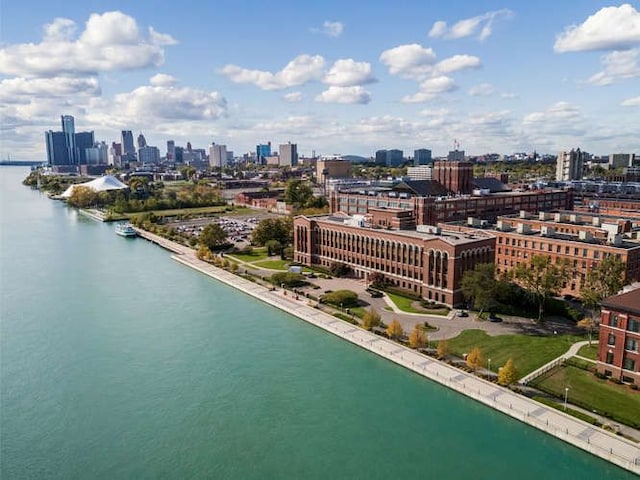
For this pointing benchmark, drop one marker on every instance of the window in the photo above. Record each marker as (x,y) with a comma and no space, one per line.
(629,364)
(611,340)
(631,344)
(613,321)
(633,325)
(609,357)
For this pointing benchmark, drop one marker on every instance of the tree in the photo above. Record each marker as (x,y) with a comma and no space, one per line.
(290,279)
(479,286)
(508,373)
(394,330)
(213,236)
(274,247)
(589,324)
(82,197)
(541,278)
(604,280)
(443,348)
(280,229)
(417,338)
(298,193)
(370,319)
(474,358)
(377,280)
(339,269)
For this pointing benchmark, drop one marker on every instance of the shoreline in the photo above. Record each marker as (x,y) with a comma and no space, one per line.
(598,442)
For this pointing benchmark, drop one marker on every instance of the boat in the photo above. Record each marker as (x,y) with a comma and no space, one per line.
(126,230)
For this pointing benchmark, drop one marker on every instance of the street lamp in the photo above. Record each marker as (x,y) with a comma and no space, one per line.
(489,360)
(566,395)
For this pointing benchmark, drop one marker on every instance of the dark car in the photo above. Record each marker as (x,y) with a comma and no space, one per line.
(494,318)
(462,313)
(375,294)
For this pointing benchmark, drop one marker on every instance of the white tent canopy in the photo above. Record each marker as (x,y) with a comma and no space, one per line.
(101,184)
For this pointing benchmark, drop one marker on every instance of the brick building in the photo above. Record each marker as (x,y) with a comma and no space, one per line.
(427,261)
(618,354)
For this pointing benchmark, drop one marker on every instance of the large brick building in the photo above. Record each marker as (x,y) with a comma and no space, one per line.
(618,354)
(427,261)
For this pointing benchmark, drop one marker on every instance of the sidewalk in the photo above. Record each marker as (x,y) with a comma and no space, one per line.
(573,350)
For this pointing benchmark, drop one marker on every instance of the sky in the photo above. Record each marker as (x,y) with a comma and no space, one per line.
(334,77)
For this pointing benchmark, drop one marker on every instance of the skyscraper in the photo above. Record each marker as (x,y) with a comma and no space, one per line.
(217,156)
(128,149)
(570,165)
(171,150)
(288,154)
(69,131)
(83,141)
(142,142)
(262,152)
(56,148)
(422,156)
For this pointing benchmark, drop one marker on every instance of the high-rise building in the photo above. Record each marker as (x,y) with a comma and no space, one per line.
(262,152)
(456,176)
(149,155)
(171,151)
(217,156)
(381,157)
(142,142)
(288,154)
(97,155)
(56,148)
(394,158)
(115,154)
(83,140)
(128,148)
(456,155)
(570,165)
(621,160)
(69,131)
(422,156)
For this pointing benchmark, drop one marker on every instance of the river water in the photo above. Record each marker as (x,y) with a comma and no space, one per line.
(117,362)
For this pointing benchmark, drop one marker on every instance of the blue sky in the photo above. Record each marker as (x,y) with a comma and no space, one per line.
(334,77)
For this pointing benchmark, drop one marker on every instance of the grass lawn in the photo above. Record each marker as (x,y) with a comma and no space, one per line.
(405,304)
(273,264)
(589,351)
(527,351)
(184,211)
(358,311)
(588,391)
(254,256)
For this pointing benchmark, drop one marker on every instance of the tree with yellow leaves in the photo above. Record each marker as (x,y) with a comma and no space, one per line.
(371,319)
(443,348)
(474,358)
(508,373)
(417,338)
(394,330)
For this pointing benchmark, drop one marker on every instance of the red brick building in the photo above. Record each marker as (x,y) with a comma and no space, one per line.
(618,354)
(428,261)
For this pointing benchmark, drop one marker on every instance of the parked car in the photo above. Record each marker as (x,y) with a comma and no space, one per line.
(375,294)
(462,313)
(494,318)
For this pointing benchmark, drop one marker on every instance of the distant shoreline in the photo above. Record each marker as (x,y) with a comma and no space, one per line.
(19,163)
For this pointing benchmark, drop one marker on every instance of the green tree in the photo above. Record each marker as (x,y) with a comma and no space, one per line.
(371,319)
(346,298)
(290,279)
(417,338)
(82,197)
(474,358)
(394,330)
(589,324)
(479,286)
(541,278)
(213,236)
(508,373)
(298,193)
(280,229)
(443,348)
(274,247)
(603,280)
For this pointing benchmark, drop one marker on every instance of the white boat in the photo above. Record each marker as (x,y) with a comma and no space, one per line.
(126,230)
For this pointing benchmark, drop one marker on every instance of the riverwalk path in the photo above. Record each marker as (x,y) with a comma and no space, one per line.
(597,441)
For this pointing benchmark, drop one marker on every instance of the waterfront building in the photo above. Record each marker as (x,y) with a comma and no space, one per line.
(570,165)
(97,155)
(217,156)
(69,131)
(426,261)
(422,156)
(56,148)
(580,240)
(83,141)
(288,154)
(619,340)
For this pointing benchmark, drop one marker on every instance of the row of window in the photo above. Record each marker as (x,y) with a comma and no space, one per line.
(628,363)
(630,344)
(632,324)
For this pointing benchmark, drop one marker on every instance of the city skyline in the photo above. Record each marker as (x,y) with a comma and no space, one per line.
(496,77)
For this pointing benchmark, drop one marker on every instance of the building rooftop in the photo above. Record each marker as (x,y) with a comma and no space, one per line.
(629,302)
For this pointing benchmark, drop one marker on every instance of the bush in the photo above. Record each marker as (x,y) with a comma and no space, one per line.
(346,298)
(290,279)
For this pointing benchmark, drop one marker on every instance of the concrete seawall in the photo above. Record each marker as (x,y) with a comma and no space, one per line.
(594,440)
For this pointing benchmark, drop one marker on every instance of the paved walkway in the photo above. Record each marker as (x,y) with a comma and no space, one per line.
(595,440)
(573,350)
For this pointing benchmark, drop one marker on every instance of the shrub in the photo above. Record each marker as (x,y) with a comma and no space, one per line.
(346,298)
(290,279)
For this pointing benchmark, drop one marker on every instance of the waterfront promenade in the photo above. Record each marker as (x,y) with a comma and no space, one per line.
(597,441)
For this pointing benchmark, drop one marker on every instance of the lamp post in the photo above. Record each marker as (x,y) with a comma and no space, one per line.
(566,395)
(489,360)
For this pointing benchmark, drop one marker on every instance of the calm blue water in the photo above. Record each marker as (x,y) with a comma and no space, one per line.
(117,362)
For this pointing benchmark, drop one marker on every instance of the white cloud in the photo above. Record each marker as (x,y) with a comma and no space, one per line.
(353,95)
(330,29)
(431,88)
(458,62)
(617,65)
(481,90)
(347,72)
(162,80)
(481,25)
(300,70)
(21,90)
(610,28)
(560,120)
(110,41)
(293,97)
(409,61)
(631,102)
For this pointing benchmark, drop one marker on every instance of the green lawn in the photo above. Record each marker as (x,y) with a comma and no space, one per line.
(589,351)
(405,304)
(184,211)
(527,351)
(273,264)
(588,391)
(255,256)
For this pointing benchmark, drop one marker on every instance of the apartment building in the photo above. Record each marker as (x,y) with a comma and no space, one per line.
(618,354)
(425,260)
